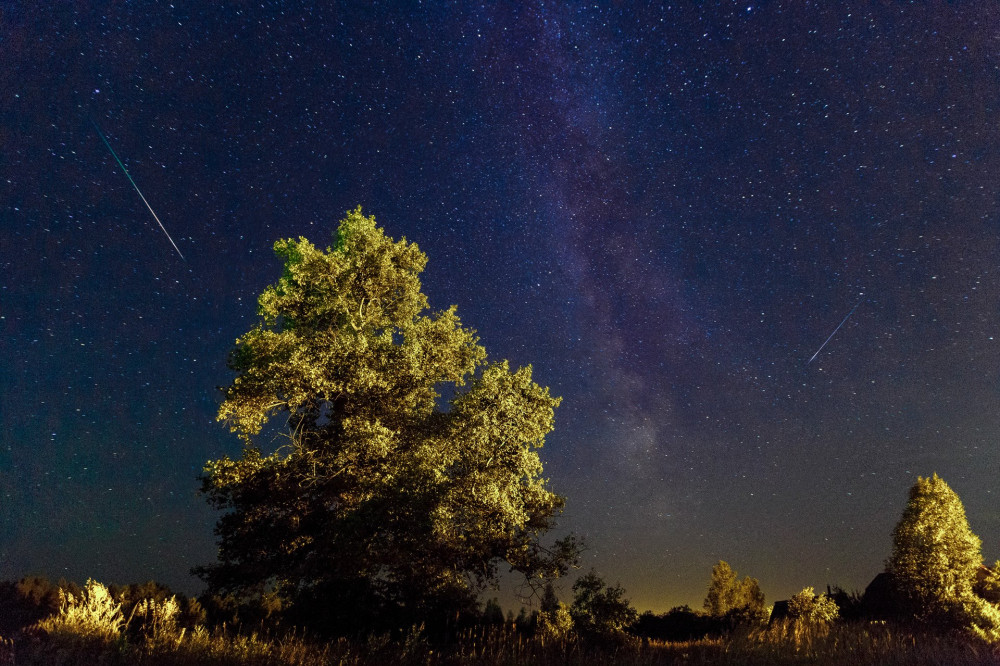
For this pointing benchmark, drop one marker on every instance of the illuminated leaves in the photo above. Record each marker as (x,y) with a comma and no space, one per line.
(935,555)
(379,480)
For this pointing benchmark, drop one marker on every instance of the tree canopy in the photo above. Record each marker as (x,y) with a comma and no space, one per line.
(935,555)
(384,496)
(809,608)
(738,600)
(935,560)
(599,609)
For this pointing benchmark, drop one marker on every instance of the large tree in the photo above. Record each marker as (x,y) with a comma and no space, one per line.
(385,496)
(935,560)
(935,555)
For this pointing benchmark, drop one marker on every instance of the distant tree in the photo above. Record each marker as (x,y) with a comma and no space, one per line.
(935,558)
(549,599)
(740,601)
(599,609)
(680,623)
(809,608)
(37,591)
(723,590)
(26,602)
(526,621)
(386,504)
(492,613)
(554,620)
(850,605)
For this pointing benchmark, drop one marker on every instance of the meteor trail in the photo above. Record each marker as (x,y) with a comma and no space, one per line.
(115,155)
(835,331)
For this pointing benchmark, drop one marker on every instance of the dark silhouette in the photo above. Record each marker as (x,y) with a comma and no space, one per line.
(677,624)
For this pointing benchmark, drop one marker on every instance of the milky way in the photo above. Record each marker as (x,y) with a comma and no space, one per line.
(664,210)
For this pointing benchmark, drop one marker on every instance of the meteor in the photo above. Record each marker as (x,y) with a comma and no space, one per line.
(835,330)
(115,155)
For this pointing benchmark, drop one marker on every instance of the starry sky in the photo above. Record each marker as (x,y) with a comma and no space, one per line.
(665,210)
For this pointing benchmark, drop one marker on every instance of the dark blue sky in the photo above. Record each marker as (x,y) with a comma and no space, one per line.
(666,211)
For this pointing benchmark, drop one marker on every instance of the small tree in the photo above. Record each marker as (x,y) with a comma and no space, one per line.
(492,613)
(554,620)
(740,601)
(808,608)
(600,610)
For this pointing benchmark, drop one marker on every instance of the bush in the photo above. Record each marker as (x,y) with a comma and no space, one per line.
(93,613)
(807,607)
(599,610)
(555,624)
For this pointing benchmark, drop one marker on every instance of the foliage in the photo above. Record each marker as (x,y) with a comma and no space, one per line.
(554,621)
(382,504)
(549,600)
(935,555)
(973,615)
(555,624)
(26,602)
(599,609)
(807,607)
(739,601)
(987,583)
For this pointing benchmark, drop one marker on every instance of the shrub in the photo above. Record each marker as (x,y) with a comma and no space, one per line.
(555,624)
(987,583)
(809,608)
(93,613)
(599,610)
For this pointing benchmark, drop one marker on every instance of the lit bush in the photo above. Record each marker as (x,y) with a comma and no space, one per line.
(807,607)
(91,614)
(554,624)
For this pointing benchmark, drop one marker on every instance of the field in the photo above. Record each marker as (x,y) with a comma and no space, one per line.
(783,644)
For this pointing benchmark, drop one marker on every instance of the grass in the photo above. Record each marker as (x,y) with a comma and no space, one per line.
(842,645)
(90,628)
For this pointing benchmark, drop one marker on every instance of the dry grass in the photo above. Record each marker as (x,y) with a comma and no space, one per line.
(89,629)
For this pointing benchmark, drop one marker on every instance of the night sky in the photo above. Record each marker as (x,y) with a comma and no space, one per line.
(666,211)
